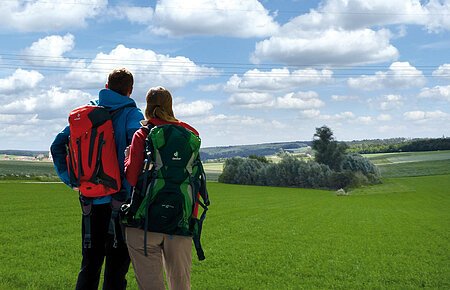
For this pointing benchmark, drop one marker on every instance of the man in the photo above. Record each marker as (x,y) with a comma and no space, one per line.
(126,120)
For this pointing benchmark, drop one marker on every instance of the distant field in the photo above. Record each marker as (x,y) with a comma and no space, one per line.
(39,170)
(390,236)
(412,163)
(415,168)
(389,158)
(390,164)
(213,170)
(26,170)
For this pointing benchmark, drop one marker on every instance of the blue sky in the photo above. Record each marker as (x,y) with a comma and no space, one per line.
(241,72)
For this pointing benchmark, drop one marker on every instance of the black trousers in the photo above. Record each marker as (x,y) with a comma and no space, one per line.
(117,260)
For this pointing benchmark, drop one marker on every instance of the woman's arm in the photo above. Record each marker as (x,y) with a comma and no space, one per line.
(134,161)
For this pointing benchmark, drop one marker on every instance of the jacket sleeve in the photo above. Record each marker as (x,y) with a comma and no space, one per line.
(58,151)
(134,119)
(134,162)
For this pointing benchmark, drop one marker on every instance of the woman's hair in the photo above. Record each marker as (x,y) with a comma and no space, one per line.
(159,105)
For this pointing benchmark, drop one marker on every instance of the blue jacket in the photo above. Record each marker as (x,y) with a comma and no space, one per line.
(125,123)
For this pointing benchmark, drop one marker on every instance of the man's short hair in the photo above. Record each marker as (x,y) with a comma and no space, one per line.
(121,81)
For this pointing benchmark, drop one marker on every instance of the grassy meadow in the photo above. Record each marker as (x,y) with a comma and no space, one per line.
(15,169)
(412,163)
(395,235)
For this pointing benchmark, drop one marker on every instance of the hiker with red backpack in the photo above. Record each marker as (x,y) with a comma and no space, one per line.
(163,165)
(88,156)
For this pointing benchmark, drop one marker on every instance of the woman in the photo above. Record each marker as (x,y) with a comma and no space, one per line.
(164,251)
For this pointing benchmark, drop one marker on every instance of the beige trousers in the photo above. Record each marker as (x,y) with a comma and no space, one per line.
(171,253)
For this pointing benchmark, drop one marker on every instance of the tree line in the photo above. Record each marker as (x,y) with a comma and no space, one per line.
(331,168)
(247,150)
(399,145)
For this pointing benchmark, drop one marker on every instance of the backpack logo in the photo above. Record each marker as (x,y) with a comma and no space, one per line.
(78,117)
(175,156)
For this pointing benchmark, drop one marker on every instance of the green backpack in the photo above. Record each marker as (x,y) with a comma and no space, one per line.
(167,196)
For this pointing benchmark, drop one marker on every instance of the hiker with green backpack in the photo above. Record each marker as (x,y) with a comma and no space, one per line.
(162,218)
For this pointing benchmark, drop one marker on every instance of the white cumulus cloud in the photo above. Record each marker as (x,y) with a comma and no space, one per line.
(364,120)
(437,92)
(443,71)
(49,51)
(356,14)
(342,116)
(437,15)
(300,100)
(390,102)
(310,114)
(399,75)
(148,67)
(326,47)
(277,79)
(384,117)
(350,31)
(251,100)
(193,109)
(342,98)
(20,80)
(213,17)
(421,116)
(134,14)
(47,104)
(44,15)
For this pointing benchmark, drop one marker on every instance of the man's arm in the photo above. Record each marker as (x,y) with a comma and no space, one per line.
(58,150)
(134,119)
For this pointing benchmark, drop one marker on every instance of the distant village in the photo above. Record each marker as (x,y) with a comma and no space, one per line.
(44,157)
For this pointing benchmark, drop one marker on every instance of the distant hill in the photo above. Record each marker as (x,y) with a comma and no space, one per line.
(399,145)
(29,153)
(360,146)
(247,150)
(208,153)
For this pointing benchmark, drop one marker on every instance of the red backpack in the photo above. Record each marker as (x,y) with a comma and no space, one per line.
(92,155)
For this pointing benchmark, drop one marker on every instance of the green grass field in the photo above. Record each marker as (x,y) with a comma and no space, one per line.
(394,236)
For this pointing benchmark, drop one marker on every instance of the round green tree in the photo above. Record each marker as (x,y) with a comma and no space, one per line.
(327,150)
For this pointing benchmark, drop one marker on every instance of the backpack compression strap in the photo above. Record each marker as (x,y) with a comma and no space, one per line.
(86,207)
(148,153)
(198,232)
(198,222)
